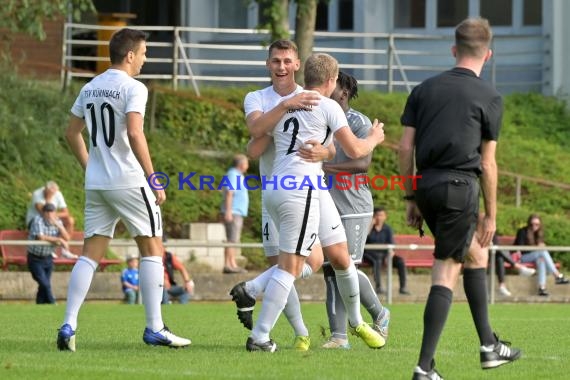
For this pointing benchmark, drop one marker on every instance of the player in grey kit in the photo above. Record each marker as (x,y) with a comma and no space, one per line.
(355,207)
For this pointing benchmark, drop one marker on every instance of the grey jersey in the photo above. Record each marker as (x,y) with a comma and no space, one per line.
(352,202)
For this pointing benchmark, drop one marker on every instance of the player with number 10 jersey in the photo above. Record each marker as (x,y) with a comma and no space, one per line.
(104,103)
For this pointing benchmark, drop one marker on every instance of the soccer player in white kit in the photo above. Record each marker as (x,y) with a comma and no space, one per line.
(298,210)
(282,63)
(112,108)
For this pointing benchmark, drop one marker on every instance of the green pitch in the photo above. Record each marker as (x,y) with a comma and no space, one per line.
(109,345)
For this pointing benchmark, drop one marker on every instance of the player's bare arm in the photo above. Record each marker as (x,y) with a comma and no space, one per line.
(256,146)
(138,143)
(489,189)
(261,123)
(313,151)
(407,169)
(355,147)
(75,140)
(359,165)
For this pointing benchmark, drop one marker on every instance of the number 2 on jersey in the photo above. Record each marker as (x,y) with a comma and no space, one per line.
(295,132)
(108,135)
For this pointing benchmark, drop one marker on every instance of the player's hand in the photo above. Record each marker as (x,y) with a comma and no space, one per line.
(377,131)
(160,196)
(413,215)
(313,151)
(488,228)
(228,216)
(304,100)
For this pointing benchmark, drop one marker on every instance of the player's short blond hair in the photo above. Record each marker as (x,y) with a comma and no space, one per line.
(319,68)
(473,37)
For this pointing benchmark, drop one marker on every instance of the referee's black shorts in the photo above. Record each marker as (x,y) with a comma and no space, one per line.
(449,203)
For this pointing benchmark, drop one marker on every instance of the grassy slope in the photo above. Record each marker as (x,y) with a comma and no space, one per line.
(33,116)
(109,345)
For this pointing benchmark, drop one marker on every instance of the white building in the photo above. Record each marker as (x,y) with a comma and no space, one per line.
(531,45)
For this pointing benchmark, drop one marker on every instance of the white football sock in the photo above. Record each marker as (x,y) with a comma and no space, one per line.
(151,280)
(274,301)
(292,311)
(79,283)
(257,286)
(347,282)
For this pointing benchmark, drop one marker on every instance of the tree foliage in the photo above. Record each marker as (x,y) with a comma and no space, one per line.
(305,21)
(275,18)
(27,16)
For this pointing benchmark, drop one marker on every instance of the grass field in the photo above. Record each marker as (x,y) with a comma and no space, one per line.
(109,345)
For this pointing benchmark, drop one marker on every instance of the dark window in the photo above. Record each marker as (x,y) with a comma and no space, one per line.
(410,14)
(345,14)
(532,12)
(232,14)
(261,17)
(322,22)
(498,12)
(451,12)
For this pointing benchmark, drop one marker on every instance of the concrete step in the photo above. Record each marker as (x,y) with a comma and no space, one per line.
(214,286)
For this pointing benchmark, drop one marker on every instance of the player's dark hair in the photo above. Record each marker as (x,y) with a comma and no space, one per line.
(283,45)
(379,209)
(122,42)
(348,82)
(534,237)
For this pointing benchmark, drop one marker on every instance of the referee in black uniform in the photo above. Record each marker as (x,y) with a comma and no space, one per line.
(451,123)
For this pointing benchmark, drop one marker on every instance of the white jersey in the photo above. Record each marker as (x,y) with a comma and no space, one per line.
(265,100)
(104,103)
(299,126)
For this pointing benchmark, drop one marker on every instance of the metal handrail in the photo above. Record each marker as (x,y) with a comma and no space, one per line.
(392,248)
(373,66)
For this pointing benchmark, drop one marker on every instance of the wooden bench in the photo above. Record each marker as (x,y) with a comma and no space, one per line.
(414,258)
(423,258)
(17,254)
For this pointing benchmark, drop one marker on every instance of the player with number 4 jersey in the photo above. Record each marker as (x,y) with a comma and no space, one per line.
(296,211)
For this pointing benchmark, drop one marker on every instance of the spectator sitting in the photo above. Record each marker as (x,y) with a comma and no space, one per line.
(130,280)
(50,194)
(504,256)
(533,234)
(47,227)
(381,233)
(171,288)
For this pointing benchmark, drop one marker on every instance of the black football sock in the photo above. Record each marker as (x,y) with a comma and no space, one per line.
(475,285)
(435,315)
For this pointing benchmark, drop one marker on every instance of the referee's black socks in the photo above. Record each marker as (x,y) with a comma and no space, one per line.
(475,285)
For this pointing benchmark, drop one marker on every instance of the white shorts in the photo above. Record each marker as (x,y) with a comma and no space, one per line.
(331,229)
(269,234)
(136,207)
(296,217)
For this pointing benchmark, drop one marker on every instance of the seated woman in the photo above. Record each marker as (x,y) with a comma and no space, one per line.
(533,234)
